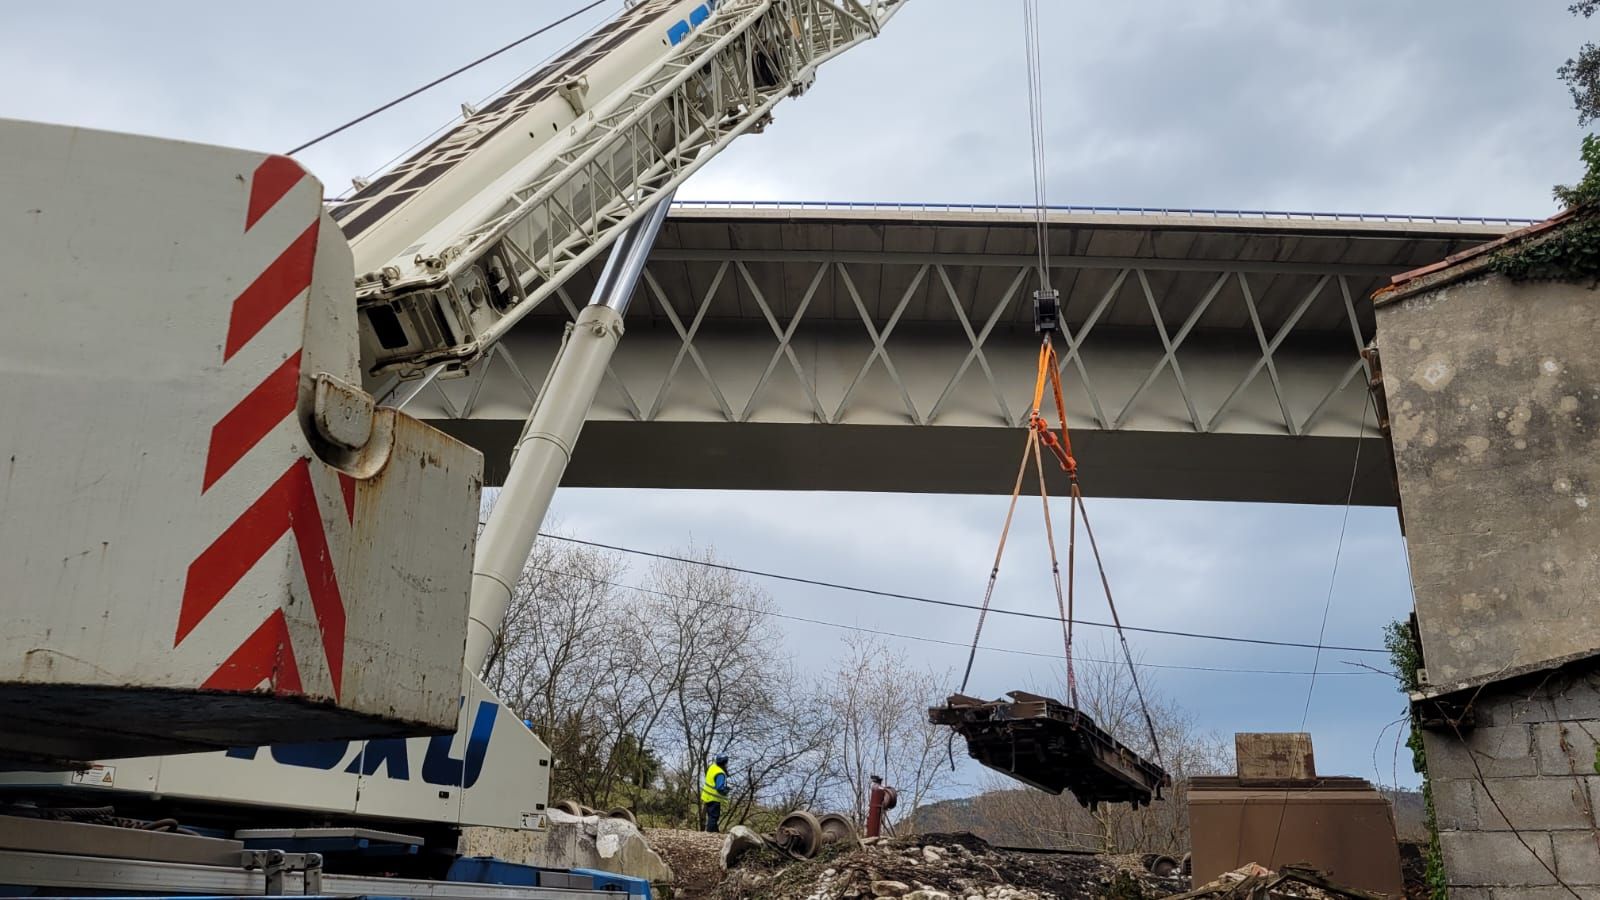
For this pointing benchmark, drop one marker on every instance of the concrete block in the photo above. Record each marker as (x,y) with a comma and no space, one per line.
(1274,756)
(1454,804)
(1577,857)
(1480,859)
(1552,892)
(1501,751)
(1541,804)
(1577,757)
(1578,699)
(1571,698)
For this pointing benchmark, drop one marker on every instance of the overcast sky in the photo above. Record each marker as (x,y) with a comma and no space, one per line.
(1360,105)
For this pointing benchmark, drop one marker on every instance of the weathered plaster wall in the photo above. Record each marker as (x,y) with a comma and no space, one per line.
(1494,399)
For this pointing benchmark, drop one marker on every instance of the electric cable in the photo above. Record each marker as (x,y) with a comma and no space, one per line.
(954,604)
(1011,651)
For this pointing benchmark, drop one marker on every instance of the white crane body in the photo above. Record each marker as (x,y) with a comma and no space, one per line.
(207,531)
(227,529)
(479,227)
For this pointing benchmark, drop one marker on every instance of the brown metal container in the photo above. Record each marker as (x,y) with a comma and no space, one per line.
(1340,826)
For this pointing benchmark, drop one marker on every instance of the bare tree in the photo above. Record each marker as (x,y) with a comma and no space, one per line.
(725,686)
(563,661)
(879,702)
(635,690)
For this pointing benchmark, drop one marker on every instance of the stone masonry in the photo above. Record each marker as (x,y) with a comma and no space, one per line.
(1493,397)
(1525,774)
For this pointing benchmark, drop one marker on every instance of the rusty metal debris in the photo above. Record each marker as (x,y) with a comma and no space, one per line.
(1253,882)
(1051,746)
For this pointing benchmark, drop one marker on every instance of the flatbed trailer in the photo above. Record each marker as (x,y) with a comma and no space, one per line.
(1046,744)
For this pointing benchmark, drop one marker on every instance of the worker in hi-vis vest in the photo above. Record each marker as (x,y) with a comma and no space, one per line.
(714,791)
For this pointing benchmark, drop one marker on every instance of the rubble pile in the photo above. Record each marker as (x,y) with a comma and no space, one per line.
(937,867)
(1254,882)
(692,856)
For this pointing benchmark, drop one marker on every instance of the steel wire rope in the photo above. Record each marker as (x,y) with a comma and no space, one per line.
(1030,17)
(1038,429)
(1327,606)
(447,76)
(483,99)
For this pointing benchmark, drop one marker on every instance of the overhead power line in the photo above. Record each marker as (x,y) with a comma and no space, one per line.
(1009,651)
(447,76)
(873,592)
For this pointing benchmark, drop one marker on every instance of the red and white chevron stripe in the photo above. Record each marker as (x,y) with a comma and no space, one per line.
(289,505)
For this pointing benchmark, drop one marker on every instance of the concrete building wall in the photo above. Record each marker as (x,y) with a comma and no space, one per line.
(1494,401)
(1493,394)
(1515,796)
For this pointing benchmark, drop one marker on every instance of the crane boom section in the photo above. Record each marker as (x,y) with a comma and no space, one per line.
(460,241)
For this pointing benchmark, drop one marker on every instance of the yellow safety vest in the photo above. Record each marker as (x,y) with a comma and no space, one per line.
(708,788)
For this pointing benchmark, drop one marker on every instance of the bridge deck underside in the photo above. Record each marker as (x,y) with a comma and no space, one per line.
(797,350)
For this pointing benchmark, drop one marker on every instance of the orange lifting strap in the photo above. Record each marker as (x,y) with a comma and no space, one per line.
(1063,448)
(1039,433)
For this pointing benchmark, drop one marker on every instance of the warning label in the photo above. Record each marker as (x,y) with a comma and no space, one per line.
(104,776)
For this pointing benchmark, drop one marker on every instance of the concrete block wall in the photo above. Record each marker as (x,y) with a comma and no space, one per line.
(1515,797)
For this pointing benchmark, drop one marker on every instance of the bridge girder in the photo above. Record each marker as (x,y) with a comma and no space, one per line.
(797,350)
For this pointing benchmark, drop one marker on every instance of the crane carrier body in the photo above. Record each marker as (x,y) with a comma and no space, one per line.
(242,592)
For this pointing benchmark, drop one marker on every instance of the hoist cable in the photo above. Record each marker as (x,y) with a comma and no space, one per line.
(447,76)
(1030,16)
(1038,429)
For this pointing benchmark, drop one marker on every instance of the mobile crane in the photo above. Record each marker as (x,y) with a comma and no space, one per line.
(240,590)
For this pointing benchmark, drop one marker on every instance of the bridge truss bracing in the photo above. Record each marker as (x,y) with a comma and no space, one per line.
(893,350)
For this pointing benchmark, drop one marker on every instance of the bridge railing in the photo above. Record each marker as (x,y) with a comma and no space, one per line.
(1014,208)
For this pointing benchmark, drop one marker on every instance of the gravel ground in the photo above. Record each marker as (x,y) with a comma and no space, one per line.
(693,856)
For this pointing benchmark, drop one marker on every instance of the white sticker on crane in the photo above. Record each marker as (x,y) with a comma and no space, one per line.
(103,776)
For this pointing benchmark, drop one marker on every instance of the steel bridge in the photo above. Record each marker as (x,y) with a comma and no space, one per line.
(1207,354)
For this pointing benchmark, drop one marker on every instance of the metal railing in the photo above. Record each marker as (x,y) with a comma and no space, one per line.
(1002,208)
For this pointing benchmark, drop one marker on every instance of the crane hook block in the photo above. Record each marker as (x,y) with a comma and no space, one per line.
(1046,311)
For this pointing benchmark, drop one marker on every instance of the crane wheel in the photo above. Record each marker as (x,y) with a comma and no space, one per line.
(570,807)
